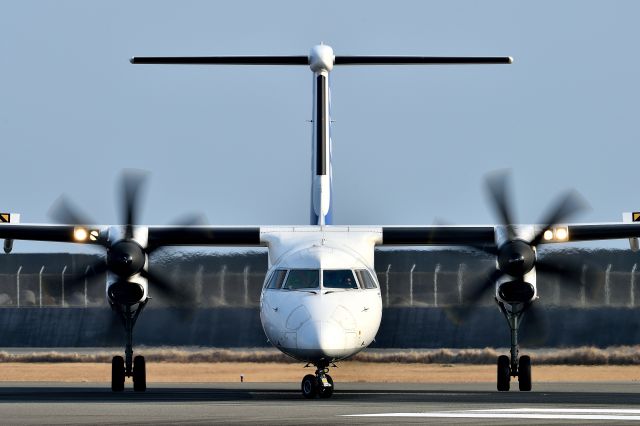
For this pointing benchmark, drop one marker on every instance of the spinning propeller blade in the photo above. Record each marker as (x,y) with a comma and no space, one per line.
(63,211)
(177,295)
(565,207)
(192,219)
(480,288)
(570,272)
(132,182)
(126,258)
(516,257)
(497,184)
(535,326)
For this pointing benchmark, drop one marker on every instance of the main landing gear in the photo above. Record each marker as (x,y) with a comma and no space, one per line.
(320,384)
(514,366)
(128,366)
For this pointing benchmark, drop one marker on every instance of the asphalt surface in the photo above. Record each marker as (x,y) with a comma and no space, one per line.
(262,403)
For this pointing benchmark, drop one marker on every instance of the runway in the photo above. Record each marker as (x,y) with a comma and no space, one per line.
(353,403)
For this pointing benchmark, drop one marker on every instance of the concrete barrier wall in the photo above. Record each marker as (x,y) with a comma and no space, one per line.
(240,327)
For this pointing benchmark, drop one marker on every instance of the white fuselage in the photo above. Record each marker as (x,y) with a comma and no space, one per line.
(320,322)
(326,319)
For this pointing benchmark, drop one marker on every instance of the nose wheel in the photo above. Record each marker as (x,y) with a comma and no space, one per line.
(320,384)
(309,386)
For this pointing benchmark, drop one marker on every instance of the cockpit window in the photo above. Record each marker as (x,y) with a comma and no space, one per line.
(302,279)
(366,281)
(338,279)
(277,278)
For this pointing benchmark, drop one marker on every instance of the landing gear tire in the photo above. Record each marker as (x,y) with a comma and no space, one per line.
(326,391)
(139,374)
(309,386)
(504,373)
(117,374)
(128,366)
(524,373)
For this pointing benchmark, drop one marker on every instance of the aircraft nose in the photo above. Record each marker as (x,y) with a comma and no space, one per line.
(324,338)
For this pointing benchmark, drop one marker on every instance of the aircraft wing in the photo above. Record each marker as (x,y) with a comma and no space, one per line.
(158,236)
(45,232)
(486,235)
(205,235)
(249,236)
(603,231)
(437,235)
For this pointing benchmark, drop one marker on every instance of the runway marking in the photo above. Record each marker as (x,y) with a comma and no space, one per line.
(523,413)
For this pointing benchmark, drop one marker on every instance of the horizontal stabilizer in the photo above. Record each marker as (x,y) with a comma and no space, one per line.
(304,60)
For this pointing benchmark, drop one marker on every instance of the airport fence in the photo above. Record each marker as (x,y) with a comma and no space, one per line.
(407,279)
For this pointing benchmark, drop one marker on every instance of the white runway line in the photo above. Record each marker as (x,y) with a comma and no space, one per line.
(524,413)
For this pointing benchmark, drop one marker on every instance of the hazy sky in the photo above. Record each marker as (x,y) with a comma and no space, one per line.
(410,144)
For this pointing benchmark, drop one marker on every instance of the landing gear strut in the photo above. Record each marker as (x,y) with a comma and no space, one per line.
(128,366)
(320,384)
(514,366)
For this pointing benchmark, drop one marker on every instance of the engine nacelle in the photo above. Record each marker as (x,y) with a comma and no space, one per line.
(126,292)
(125,258)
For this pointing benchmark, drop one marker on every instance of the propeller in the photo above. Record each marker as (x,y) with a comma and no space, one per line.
(125,257)
(516,256)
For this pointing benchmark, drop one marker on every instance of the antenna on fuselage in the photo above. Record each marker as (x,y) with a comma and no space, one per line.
(321,60)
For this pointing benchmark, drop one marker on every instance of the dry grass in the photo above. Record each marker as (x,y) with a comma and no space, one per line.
(277,372)
(585,364)
(618,355)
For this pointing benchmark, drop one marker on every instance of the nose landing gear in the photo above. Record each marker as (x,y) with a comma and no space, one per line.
(514,366)
(320,384)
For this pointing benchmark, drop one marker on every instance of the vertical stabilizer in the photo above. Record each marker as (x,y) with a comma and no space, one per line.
(321,61)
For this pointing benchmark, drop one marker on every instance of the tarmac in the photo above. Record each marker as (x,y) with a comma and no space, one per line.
(352,403)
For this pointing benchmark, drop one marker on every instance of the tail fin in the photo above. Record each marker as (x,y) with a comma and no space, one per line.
(321,182)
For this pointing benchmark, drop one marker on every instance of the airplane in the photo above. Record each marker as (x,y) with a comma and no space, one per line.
(321,301)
